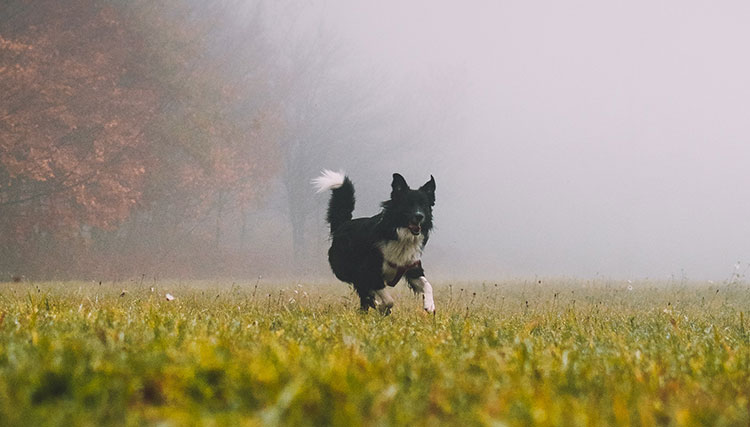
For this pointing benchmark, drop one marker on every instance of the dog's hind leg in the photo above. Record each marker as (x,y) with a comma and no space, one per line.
(366,299)
(386,301)
(419,284)
(368,282)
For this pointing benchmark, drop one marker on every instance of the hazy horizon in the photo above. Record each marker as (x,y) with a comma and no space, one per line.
(591,138)
(576,139)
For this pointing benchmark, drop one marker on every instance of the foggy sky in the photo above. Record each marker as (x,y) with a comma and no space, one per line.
(591,138)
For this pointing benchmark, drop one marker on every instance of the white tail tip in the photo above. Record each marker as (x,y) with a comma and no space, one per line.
(328,180)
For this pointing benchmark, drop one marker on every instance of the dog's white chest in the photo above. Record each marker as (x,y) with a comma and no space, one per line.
(406,250)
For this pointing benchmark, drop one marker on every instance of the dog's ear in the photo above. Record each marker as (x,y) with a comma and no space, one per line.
(398,185)
(429,189)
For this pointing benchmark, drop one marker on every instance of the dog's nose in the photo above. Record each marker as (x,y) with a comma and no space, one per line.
(418,218)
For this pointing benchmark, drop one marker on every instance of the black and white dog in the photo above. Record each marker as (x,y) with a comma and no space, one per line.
(373,252)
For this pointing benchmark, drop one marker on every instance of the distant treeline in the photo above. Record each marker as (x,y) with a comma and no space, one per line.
(121,132)
(174,138)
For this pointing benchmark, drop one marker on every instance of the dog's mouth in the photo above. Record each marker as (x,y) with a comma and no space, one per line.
(415,229)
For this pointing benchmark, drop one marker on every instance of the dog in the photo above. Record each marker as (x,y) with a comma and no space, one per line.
(375,252)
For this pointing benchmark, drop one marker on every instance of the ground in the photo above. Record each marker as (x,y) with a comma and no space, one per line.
(558,352)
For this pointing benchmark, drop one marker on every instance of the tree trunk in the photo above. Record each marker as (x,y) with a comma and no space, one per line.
(243,227)
(296,198)
(219,214)
(299,243)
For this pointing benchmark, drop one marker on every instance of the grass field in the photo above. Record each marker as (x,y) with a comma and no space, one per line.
(512,353)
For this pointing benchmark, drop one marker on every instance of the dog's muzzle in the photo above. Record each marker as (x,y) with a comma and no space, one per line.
(415,225)
(415,229)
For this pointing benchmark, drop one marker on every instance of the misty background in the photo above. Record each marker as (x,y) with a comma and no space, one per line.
(581,139)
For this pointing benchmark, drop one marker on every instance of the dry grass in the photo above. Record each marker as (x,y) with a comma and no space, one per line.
(512,353)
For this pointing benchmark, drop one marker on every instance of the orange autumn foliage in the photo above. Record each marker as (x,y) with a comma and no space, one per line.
(89,132)
(71,134)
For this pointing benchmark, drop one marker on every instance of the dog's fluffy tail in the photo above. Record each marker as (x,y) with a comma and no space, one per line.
(341,205)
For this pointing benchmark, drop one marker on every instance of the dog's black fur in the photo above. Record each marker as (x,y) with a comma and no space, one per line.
(362,249)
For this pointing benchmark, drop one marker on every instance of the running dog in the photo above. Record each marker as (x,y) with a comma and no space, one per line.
(373,252)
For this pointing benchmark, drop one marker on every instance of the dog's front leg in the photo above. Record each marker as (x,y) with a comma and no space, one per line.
(429,303)
(420,285)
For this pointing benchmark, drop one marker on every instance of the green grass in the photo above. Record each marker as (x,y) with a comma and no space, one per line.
(557,353)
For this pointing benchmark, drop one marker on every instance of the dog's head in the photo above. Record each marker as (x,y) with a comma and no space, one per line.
(410,209)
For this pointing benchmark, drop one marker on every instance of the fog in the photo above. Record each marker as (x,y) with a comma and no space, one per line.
(595,138)
(580,139)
